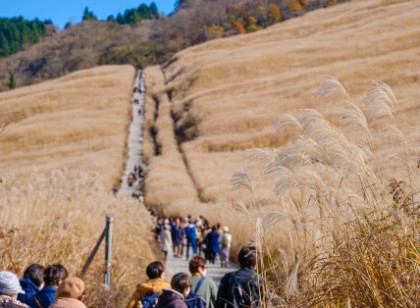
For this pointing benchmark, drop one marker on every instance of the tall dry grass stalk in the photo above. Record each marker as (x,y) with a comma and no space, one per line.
(342,235)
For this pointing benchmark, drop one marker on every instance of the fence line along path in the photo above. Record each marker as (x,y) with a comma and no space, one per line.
(135,136)
(214,271)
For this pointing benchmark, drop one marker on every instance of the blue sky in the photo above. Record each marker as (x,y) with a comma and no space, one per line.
(61,12)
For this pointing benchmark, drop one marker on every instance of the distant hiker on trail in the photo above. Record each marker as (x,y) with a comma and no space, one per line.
(241,288)
(225,241)
(149,291)
(204,245)
(130,179)
(33,279)
(9,290)
(212,243)
(178,234)
(53,277)
(115,189)
(175,297)
(191,233)
(166,240)
(158,228)
(70,294)
(140,172)
(202,285)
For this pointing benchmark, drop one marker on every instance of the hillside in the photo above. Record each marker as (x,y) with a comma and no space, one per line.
(62,150)
(78,47)
(317,192)
(77,121)
(233,90)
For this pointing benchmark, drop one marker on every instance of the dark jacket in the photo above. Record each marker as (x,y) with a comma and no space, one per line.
(241,287)
(212,241)
(178,235)
(30,291)
(8,302)
(171,299)
(45,297)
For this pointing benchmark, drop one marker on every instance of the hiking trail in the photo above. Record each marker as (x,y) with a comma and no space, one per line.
(135,137)
(134,149)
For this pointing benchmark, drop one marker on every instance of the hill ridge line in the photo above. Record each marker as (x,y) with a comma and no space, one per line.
(181,150)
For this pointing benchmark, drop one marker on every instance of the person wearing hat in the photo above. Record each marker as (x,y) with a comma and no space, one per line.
(225,241)
(9,290)
(70,294)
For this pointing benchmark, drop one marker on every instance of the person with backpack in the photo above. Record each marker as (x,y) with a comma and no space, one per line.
(225,241)
(53,277)
(191,233)
(201,285)
(33,279)
(242,287)
(147,293)
(175,296)
(212,243)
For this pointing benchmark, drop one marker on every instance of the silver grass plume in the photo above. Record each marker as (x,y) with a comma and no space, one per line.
(241,208)
(354,118)
(271,220)
(287,120)
(242,179)
(387,90)
(335,146)
(380,100)
(329,86)
(291,287)
(302,152)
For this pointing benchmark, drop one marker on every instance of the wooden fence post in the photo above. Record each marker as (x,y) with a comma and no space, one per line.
(108,249)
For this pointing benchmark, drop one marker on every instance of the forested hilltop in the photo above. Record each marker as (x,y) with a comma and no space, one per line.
(17,32)
(138,36)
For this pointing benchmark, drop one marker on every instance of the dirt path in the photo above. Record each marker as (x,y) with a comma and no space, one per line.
(135,138)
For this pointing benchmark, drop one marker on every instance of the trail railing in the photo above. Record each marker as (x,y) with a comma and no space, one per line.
(107,236)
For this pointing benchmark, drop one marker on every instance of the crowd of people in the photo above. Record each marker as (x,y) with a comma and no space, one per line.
(184,236)
(41,287)
(240,288)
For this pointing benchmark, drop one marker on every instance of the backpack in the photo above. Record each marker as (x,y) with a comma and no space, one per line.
(150,300)
(193,300)
(225,241)
(191,232)
(240,293)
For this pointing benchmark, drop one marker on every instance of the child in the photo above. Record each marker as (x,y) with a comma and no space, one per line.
(33,279)
(53,277)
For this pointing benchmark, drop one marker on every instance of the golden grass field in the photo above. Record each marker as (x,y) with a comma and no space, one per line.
(332,230)
(76,121)
(63,148)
